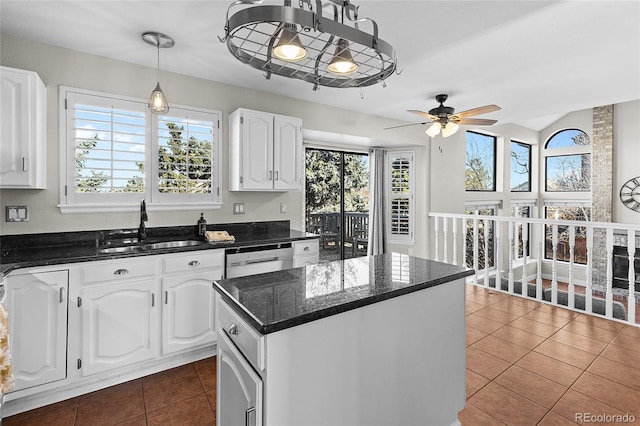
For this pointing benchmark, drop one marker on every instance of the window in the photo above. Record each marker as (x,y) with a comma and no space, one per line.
(401,210)
(487,209)
(522,209)
(567,212)
(568,162)
(520,167)
(480,173)
(118,153)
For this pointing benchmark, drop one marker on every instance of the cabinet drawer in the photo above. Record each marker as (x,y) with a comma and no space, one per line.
(194,261)
(119,270)
(248,341)
(306,247)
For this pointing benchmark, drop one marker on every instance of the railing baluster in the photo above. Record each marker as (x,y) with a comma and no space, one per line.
(525,242)
(539,289)
(588,307)
(554,264)
(511,244)
(476,264)
(498,252)
(486,252)
(436,232)
(465,230)
(455,240)
(631,300)
(445,226)
(572,243)
(609,292)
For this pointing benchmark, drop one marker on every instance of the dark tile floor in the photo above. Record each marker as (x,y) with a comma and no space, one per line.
(180,396)
(528,363)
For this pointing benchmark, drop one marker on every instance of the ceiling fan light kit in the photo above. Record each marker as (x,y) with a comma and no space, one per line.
(301,43)
(444,118)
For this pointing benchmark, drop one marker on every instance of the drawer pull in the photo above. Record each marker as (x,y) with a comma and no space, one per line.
(306,248)
(61,299)
(233,329)
(121,271)
(194,263)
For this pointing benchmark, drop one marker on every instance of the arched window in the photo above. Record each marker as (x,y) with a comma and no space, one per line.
(568,162)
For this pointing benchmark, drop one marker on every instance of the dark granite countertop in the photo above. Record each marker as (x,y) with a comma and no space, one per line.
(24,251)
(278,300)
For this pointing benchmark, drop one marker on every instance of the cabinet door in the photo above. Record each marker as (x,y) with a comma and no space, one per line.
(287,151)
(21,129)
(257,150)
(188,316)
(120,324)
(239,392)
(37,305)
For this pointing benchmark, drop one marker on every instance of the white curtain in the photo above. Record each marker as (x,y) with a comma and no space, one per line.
(377,215)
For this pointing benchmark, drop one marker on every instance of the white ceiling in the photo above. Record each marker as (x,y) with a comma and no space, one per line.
(536,59)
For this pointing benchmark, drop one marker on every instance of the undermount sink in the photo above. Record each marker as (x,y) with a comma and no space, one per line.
(172,244)
(150,246)
(125,249)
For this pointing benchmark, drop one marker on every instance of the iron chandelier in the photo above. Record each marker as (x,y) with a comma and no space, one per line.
(299,42)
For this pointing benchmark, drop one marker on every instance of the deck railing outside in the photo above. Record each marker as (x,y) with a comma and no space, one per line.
(591,267)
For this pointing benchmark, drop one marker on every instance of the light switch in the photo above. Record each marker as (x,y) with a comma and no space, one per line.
(17,214)
(238,208)
(283,207)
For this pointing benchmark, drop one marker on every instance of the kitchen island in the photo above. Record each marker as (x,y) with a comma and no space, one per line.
(376,340)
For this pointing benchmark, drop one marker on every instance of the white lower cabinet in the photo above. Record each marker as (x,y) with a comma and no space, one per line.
(120,324)
(37,304)
(305,252)
(188,317)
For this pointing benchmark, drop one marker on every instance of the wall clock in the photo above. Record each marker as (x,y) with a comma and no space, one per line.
(630,194)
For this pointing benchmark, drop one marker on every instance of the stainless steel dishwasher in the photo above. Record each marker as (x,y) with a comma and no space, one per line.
(251,260)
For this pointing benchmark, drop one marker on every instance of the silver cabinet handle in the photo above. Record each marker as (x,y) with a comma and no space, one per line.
(166,297)
(306,248)
(61,294)
(24,164)
(247,414)
(276,175)
(270,174)
(121,271)
(194,263)
(153,300)
(233,329)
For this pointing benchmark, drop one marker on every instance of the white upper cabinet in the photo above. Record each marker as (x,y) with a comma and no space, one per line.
(22,129)
(265,151)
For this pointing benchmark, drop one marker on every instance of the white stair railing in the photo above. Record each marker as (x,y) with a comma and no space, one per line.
(564,261)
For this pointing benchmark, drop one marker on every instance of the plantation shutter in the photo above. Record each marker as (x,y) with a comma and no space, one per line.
(107,148)
(401,196)
(186,152)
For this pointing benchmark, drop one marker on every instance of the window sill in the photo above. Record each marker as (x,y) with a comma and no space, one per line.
(120,208)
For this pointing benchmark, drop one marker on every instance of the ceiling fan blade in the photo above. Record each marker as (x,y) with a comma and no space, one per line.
(475,121)
(405,125)
(477,111)
(423,114)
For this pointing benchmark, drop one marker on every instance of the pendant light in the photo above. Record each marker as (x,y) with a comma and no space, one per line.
(342,62)
(289,47)
(158,102)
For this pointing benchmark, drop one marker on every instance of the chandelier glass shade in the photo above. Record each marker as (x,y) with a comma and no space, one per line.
(447,130)
(332,51)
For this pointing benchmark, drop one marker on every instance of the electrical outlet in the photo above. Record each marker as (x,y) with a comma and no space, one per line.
(238,208)
(17,214)
(283,207)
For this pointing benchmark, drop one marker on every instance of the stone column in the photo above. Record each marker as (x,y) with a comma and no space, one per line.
(601,187)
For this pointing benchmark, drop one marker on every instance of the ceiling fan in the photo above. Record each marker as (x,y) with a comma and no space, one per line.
(446,120)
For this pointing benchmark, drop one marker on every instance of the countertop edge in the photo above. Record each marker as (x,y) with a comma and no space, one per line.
(265,329)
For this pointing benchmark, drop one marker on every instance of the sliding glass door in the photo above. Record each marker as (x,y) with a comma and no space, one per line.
(337,202)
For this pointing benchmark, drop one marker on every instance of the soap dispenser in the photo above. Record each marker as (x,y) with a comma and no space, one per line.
(202,225)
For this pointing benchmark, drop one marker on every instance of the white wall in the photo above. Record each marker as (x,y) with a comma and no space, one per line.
(626,156)
(57,66)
